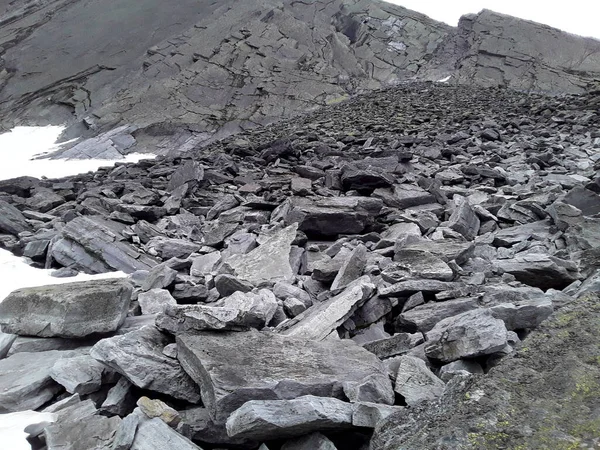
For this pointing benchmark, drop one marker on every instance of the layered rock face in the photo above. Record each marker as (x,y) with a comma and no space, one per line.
(210,69)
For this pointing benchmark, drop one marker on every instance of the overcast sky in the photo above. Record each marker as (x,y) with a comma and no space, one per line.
(580,17)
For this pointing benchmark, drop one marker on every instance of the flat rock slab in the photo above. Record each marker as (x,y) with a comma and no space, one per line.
(73,310)
(267,262)
(540,270)
(447,249)
(233,368)
(25,381)
(424,317)
(468,335)
(276,419)
(80,375)
(93,433)
(138,355)
(417,264)
(154,434)
(415,382)
(322,319)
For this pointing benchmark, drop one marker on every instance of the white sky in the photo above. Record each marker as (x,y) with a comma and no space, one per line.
(580,17)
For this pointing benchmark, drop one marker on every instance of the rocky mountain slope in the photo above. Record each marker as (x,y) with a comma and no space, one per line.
(209,69)
(293,286)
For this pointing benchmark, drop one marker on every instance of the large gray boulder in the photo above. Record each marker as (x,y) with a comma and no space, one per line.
(11,219)
(233,368)
(322,319)
(424,317)
(154,434)
(91,433)
(415,382)
(138,355)
(468,335)
(81,374)
(276,419)
(25,380)
(540,270)
(73,310)
(238,312)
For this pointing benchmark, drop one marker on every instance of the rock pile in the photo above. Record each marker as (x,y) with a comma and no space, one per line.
(292,287)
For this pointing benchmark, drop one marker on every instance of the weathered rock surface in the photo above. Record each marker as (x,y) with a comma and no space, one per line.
(138,356)
(94,432)
(278,367)
(415,382)
(275,419)
(154,434)
(73,310)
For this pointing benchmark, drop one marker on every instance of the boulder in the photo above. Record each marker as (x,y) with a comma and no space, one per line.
(11,219)
(464,221)
(138,356)
(468,335)
(91,433)
(398,344)
(322,319)
(313,441)
(81,374)
(155,301)
(238,312)
(540,270)
(415,382)
(159,277)
(416,264)
(352,268)
(227,285)
(25,381)
(368,415)
(424,317)
(73,310)
(276,419)
(277,367)
(205,264)
(154,434)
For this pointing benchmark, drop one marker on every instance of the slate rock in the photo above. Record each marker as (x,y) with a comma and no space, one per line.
(120,398)
(468,335)
(154,434)
(460,368)
(227,285)
(276,419)
(73,310)
(447,249)
(92,433)
(398,344)
(368,415)
(205,264)
(276,367)
(416,383)
(424,317)
(159,277)
(352,268)
(540,270)
(80,375)
(464,221)
(25,381)
(155,301)
(188,172)
(126,432)
(11,219)
(285,291)
(417,264)
(167,248)
(138,356)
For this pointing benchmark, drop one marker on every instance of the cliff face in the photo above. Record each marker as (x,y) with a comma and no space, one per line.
(199,70)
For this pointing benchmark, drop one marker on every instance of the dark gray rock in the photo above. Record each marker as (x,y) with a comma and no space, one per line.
(540,270)
(73,310)
(126,432)
(313,441)
(416,264)
(160,276)
(167,248)
(120,398)
(416,383)
(464,221)
(155,301)
(189,172)
(11,219)
(154,434)
(447,249)
(81,374)
(276,419)
(460,368)
(352,268)
(227,285)
(424,317)
(277,367)
(138,356)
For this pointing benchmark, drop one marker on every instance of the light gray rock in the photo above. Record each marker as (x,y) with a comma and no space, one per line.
(190,172)
(72,310)
(540,270)
(284,291)
(167,248)
(277,366)
(25,381)
(227,285)
(138,356)
(238,312)
(464,221)
(154,434)
(159,277)
(155,301)
(399,234)
(424,317)
(416,383)
(416,264)
(80,375)
(468,335)
(205,264)
(6,342)
(12,220)
(92,433)
(460,368)
(513,235)
(276,419)
(322,319)
(519,308)
(119,400)
(126,432)
(313,441)
(269,261)
(447,249)
(352,268)
(368,415)
(410,287)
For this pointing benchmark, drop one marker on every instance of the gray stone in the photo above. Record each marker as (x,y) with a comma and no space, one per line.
(80,375)
(154,434)
(352,268)
(276,419)
(424,317)
(284,291)
(519,308)
(159,277)
(406,196)
(416,264)
(159,409)
(564,215)
(155,301)
(447,249)
(410,287)
(6,342)
(313,441)
(464,221)
(398,344)
(507,237)
(269,261)
(227,285)
(371,311)
(167,248)
(126,432)
(468,335)
(293,307)
(277,367)
(460,368)
(42,344)
(138,356)
(25,381)
(205,430)
(540,270)
(326,269)
(238,312)
(368,415)
(416,383)
(399,234)
(205,264)
(189,172)
(11,219)
(72,310)
(119,400)
(92,433)
(301,186)
(322,319)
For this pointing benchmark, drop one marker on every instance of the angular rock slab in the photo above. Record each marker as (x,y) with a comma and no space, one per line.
(25,381)
(322,319)
(314,441)
(72,310)
(233,368)
(276,419)
(154,434)
(80,375)
(93,433)
(468,335)
(540,270)
(416,383)
(238,312)
(417,264)
(138,356)
(269,261)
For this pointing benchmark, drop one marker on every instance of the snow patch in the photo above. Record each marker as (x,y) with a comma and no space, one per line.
(445,80)
(396,46)
(12,425)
